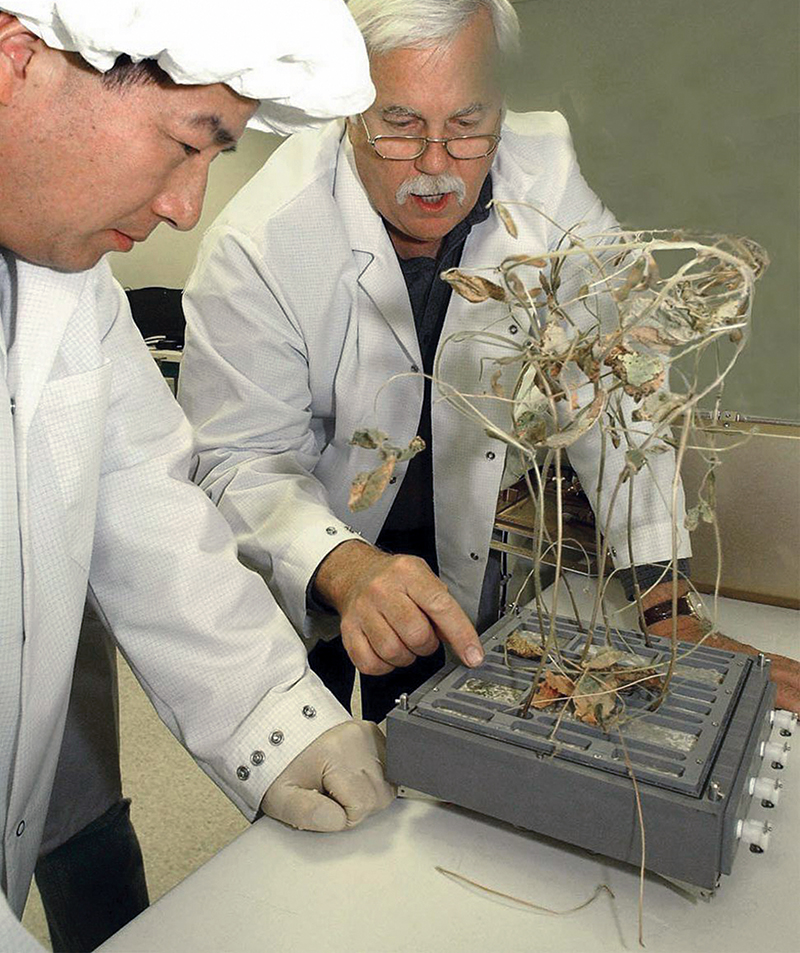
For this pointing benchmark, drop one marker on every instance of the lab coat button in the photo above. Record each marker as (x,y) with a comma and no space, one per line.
(242,773)
(276,737)
(257,757)
(490,454)
(309,711)
(331,530)
(474,556)
(20,828)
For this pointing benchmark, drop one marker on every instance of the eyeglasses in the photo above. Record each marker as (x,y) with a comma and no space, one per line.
(412,147)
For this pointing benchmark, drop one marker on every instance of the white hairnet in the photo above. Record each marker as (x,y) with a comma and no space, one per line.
(304,59)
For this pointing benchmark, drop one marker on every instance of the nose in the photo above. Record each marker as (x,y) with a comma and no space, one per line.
(180,202)
(434,160)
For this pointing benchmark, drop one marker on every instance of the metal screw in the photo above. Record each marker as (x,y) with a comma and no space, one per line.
(414,369)
(761,659)
(276,737)
(754,848)
(331,530)
(728,691)
(309,711)
(242,773)
(698,761)
(402,701)
(766,803)
(257,757)
(715,724)
(714,792)
(785,733)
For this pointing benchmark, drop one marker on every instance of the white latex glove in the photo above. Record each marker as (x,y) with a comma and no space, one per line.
(335,782)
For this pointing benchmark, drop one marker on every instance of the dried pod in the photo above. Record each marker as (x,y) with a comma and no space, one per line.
(474,288)
(506,218)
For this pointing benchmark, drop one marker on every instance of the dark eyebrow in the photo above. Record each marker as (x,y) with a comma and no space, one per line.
(222,136)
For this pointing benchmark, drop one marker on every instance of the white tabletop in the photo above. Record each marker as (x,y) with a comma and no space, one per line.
(376,889)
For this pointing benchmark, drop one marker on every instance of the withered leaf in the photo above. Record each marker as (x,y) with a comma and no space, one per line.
(580,425)
(497,387)
(551,688)
(370,439)
(590,707)
(604,659)
(416,445)
(640,374)
(517,644)
(516,287)
(368,487)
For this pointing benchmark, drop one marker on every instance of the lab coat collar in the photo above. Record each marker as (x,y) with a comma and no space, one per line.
(46,300)
(380,277)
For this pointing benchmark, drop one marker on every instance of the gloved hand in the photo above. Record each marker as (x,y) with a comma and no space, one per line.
(335,782)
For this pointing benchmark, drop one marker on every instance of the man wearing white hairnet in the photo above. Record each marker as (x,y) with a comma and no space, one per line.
(319,283)
(94,451)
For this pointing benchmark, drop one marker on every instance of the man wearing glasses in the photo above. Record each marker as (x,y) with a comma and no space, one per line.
(318,284)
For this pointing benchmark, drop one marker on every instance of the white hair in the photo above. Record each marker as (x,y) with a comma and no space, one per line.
(401,24)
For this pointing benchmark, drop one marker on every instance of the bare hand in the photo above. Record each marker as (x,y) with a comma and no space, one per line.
(785,672)
(335,782)
(393,609)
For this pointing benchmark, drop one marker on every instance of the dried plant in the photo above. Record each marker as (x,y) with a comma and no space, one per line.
(647,306)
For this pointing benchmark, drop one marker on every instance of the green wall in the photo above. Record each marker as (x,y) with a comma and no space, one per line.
(685,113)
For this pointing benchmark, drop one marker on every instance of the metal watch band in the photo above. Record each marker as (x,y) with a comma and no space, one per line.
(663,610)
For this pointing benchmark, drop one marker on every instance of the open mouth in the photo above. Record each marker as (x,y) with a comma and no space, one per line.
(431,202)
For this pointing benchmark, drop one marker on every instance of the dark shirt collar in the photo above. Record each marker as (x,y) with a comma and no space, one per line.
(457,235)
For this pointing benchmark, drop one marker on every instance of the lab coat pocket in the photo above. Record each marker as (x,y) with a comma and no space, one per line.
(72,416)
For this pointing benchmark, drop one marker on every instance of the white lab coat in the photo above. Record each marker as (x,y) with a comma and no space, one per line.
(298,316)
(102,451)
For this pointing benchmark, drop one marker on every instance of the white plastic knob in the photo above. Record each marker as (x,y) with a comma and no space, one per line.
(766,789)
(776,752)
(754,833)
(784,721)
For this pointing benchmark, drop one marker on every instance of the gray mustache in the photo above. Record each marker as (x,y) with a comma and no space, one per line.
(423,184)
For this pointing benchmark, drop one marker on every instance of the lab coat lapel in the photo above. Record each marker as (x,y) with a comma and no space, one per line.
(46,301)
(381,278)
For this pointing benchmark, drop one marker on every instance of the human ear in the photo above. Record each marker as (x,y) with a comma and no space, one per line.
(17,46)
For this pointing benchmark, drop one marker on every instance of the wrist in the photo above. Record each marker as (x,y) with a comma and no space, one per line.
(339,571)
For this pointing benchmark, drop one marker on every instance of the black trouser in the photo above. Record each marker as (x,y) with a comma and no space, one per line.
(379,693)
(93,884)
(90,871)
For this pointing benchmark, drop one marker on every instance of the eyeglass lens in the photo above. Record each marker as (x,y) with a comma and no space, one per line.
(408,147)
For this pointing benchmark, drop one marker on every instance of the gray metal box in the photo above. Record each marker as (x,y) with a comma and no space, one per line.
(461,739)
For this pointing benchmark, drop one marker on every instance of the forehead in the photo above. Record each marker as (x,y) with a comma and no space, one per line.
(214,109)
(446,78)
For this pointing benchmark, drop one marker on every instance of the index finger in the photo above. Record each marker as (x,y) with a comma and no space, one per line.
(449,620)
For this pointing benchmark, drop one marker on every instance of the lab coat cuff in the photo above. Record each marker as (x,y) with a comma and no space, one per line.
(649,543)
(306,553)
(279,729)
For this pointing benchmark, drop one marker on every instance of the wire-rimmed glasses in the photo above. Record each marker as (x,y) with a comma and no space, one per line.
(403,148)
